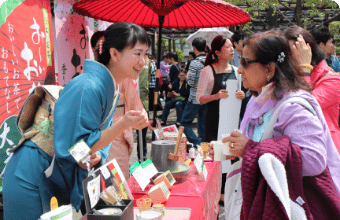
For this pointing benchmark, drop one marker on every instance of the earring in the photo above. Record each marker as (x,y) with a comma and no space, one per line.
(268,78)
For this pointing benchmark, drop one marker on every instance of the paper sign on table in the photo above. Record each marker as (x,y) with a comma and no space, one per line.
(61,213)
(149,168)
(229,110)
(205,171)
(93,189)
(140,175)
(79,150)
(171,128)
(200,166)
(159,134)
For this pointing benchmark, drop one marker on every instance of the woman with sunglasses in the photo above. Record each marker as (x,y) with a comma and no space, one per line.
(301,149)
(323,80)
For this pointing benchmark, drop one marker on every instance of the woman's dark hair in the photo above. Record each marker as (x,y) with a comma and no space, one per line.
(293,32)
(207,49)
(267,47)
(95,38)
(216,44)
(183,71)
(120,36)
(173,55)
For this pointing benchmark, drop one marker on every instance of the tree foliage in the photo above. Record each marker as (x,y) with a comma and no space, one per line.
(165,49)
(306,13)
(304,10)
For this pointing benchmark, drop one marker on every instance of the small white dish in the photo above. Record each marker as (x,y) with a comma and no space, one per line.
(149,215)
(110,211)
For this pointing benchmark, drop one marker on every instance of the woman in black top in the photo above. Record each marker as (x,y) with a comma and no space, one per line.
(212,87)
(213,81)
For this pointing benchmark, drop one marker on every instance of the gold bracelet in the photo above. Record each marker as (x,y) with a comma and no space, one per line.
(307,66)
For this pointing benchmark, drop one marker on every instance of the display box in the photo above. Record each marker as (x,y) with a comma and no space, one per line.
(167,178)
(127,208)
(159,193)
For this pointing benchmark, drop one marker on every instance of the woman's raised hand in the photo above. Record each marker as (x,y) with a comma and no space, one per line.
(302,51)
(237,143)
(221,94)
(136,119)
(240,95)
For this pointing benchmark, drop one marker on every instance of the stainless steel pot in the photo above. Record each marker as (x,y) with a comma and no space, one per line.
(159,155)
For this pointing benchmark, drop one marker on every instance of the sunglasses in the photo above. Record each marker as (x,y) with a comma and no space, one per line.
(245,62)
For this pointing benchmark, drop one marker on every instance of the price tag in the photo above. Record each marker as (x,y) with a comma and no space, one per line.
(200,166)
(80,150)
(54,203)
(205,171)
(149,168)
(140,175)
(198,163)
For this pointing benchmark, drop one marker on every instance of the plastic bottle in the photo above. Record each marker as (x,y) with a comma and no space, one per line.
(192,152)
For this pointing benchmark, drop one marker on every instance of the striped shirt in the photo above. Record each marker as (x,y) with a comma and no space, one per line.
(195,68)
(152,83)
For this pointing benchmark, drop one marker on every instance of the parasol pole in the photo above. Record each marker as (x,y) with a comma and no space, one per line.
(140,141)
(161,21)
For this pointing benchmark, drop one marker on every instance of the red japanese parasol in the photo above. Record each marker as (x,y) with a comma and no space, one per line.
(179,14)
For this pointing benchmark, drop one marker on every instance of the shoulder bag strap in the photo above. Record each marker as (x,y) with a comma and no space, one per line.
(295,99)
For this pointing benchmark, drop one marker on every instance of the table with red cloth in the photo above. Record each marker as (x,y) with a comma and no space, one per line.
(195,193)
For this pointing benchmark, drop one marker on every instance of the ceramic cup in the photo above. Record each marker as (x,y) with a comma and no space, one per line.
(226,148)
(218,150)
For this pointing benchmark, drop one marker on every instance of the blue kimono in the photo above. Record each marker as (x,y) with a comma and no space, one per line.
(84,108)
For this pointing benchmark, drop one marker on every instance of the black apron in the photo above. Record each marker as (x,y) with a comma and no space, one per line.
(213,108)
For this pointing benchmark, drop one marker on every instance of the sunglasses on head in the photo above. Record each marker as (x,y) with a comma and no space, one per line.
(245,62)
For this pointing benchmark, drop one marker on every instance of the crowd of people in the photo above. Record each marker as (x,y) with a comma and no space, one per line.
(103,105)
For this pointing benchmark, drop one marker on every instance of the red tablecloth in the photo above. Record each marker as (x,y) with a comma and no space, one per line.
(195,193)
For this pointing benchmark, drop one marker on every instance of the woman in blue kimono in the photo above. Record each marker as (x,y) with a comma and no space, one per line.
(83,111)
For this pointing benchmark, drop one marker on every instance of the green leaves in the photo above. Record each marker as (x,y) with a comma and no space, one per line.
(319,10)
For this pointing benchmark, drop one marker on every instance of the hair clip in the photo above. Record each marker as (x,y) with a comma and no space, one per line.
(100,46)
(281,57)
